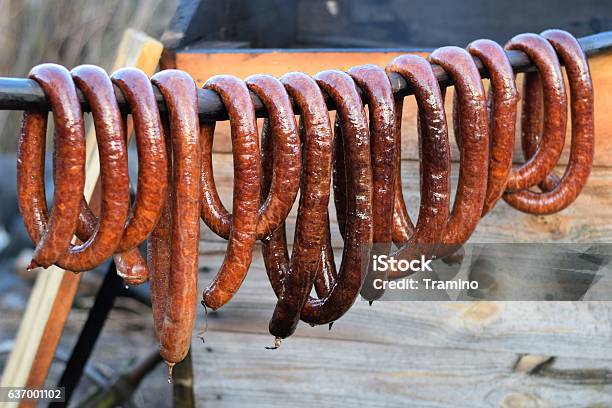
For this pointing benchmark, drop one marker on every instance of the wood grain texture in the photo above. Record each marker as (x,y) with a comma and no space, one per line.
(398,354)
(402,353)
(324,373)
(565,329)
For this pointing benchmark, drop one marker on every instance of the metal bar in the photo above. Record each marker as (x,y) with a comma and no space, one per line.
(21,94)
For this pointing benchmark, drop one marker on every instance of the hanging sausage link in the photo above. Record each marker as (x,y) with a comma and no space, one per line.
(559,194)
(472,128)
(293,279)
(178,280)
(435,163)
(247,185)
(543,161)
(100,241)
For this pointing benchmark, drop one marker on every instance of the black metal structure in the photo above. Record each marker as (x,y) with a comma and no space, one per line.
(112,287)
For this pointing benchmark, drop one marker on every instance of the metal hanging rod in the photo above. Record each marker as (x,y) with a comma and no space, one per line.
(22,94)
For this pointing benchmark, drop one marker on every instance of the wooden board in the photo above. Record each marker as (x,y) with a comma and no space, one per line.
(402,353)
(563,329)
(397,354)
(202,66)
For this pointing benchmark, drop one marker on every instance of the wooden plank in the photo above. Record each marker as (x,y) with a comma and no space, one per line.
(202,66)
(563,329)
(586,220)
(54,290)
(330,372)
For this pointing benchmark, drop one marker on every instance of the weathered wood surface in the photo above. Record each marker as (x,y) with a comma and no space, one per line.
(564,329)
(239,372)
(202,66)
(586,220)
(402,353)
(415,353)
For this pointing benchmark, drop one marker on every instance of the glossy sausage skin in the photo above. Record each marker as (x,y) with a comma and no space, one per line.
(581,153)
(247,179)
(435,166)
(152,182)
(434,150)
(532,123)
(293,280)
(286,165)
(280,128)
(378,94)
(100,237)
(52,233)
(97,88)
(180,94)
(159,245)
(473,128)
(152,160)
(543,161)
(503,98)
(341,88)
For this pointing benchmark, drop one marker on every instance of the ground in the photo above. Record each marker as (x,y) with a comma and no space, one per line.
(127,337)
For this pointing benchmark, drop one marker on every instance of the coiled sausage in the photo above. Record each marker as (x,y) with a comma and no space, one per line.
(180,95)
(581,153)
(247,184)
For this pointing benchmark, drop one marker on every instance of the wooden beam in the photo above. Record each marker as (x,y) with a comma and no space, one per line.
(54,290)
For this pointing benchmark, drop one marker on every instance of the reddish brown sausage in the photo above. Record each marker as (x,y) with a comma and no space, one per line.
(543,161)
(159,245)
(379,97)
(532,123)
(52,237)
(341,88)
(503,98)
(293,280)
(287,155)
(286,165)
(130,264)
(180,95)
(327,274)
(434,150)
(247,179)
(581,153)
(435,164)
(131,261)
(473,128)
(152,172)
(97,88)
(152,161)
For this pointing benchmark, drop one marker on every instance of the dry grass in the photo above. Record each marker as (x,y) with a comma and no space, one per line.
(70,33)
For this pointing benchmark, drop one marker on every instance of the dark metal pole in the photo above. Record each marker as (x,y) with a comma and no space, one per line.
(22,94)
